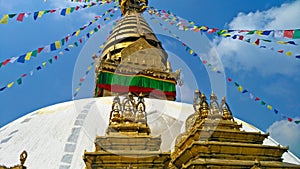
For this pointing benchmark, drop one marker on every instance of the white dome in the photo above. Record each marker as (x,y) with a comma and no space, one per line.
(56,136)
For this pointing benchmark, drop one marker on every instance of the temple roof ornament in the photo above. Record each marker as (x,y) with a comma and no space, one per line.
(133,5)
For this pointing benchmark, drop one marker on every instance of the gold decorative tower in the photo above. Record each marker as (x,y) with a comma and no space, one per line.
(214,140)
(133,59)
(128,142)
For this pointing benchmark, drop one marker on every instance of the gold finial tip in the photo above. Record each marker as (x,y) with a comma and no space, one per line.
(197,91)
(141,94)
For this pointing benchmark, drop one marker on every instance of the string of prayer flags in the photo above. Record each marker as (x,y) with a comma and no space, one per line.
(82,79)
(55,45)
(19,81)
(261,102)
(38,14)
(184,25)
(190,25)
(43,65)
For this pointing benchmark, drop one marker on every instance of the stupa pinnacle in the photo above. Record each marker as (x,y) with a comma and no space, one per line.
(133,59)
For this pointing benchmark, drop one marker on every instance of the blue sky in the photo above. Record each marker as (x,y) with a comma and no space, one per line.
(270,75)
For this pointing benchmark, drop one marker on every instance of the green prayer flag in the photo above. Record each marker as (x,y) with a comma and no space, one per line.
(34,53)
(296,34)
(297,122)
(72,9)
(76,44)
(263,103)
(50,61)
(251,32)
(248,40)
(19,81)
(62,41)
(266,40)
(11,15)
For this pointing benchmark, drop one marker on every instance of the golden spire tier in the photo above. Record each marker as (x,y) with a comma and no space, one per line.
(133,59)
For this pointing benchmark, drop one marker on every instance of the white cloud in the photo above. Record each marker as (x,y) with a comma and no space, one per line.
(239,55)
(287,134)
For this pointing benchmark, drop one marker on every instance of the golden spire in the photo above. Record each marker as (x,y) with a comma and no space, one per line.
(133,5)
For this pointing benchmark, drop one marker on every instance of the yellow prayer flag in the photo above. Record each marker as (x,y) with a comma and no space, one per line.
(102,46)
(281,42)
(77,32)
(28,55)
(77,89)
(90,67)
(40,14)
(92,32)
(191,52)
(215,69)
(10,85)
(4,19)
(68,11)
(44,64)
(269,107)
(259,32)
(289,53)
(240,88)
(57,44)
(71,46)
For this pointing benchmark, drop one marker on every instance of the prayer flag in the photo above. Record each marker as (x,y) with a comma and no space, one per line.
(40,14)
(63,12)
(19,81)
(276,111)
(3,88)
(256,99)
(12,15)
(57,45)
(269,107)
(35,15)
(296,34)
(28,55)
(288,33)
(290,119)
(44,64)
(263,103)
(52,47)
(10,84)
(4,19)
(229,79)
(21,59)
(20,17)
(77,33)
(240,88)
(244,91)
(34,53)
(289,53)
(278,34)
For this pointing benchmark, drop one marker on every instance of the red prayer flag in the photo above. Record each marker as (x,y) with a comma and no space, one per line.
(280,51)
(20,17)
(99,26)
(80,40)
(229,79)
(52,11)
(77,7)
(241,37)
(288,33)
(55,57)
(256,99)
(204,61)
(256,42)
(24,75)
(40,49)
(82,79)
(290,119)
(5,62)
